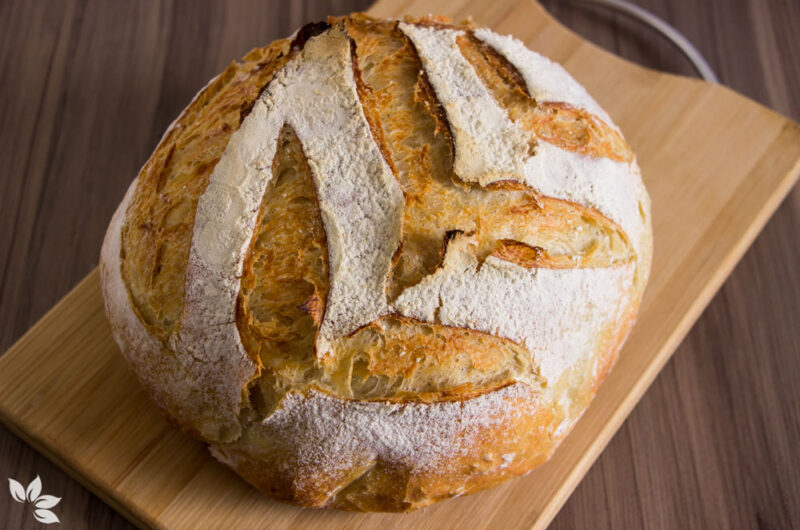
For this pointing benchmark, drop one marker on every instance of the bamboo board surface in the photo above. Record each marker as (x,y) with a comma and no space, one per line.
(716,166)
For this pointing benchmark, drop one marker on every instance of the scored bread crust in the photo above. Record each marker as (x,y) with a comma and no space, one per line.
(488,358)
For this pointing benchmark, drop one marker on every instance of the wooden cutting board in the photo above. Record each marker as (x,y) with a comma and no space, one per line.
(716,166)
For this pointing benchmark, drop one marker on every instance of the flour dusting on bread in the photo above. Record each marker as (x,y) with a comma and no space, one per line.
(613,188)
(546,81)
(361,202)
(555,313)
(172,379)
(325,441)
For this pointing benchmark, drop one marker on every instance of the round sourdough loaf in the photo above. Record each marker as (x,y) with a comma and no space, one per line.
(380,263)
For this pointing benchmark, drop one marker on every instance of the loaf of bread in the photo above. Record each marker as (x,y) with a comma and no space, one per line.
(380,263)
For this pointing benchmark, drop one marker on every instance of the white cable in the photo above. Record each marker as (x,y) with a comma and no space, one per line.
(658,24)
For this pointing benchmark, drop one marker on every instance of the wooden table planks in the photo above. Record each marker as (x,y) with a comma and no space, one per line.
(741,196)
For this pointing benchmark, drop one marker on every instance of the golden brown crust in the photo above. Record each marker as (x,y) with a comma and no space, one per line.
(284,282)
(412,367)
(398,358)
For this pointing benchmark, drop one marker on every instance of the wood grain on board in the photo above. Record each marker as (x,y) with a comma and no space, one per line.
(715,164)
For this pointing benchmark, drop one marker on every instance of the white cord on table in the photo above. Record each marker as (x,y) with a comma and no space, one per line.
(658,24)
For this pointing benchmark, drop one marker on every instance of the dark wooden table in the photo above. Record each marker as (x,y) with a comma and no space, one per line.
(86,89)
